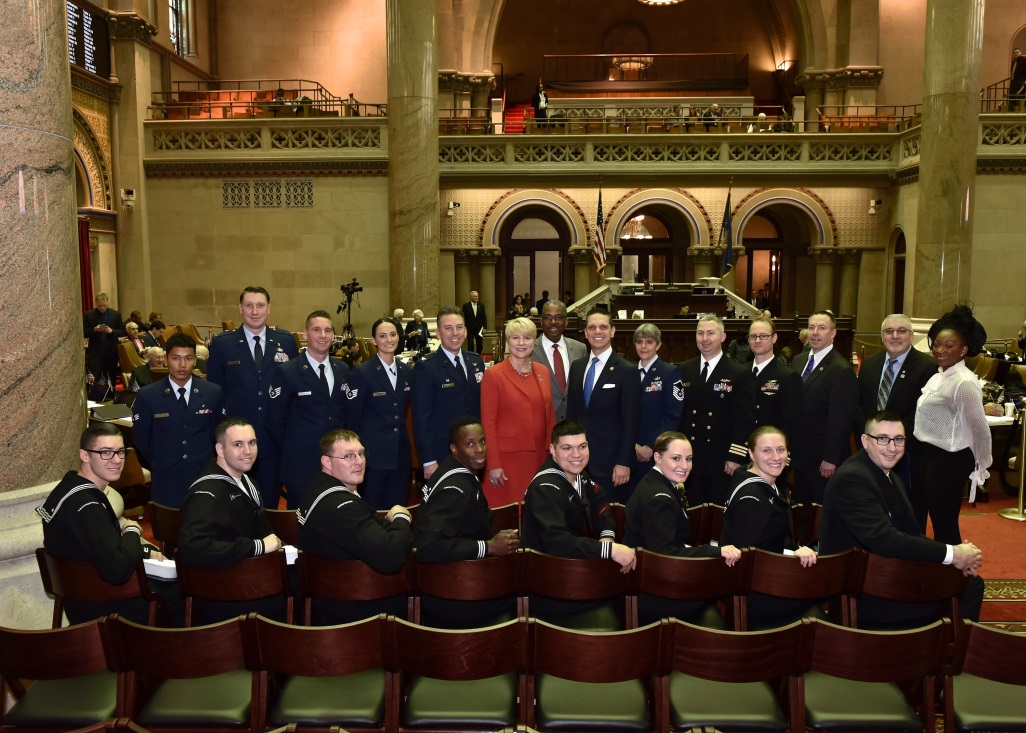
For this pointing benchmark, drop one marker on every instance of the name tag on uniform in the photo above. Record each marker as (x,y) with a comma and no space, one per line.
(447,385)
(304,394)
(234,363)
(379,394)
(162,414)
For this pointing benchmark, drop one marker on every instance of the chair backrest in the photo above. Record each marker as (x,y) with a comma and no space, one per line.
(833,576)
(573,579)
(51,654)
(506,517)
(690,579)
(583,656)
(706,522)
(285,524)
(228,325)
(993,654)
(128,356)
(348,580)
(909,581)
(469,654)
(619,514)
(318,651)
(468,580)
(726,656)
(807,519)
(166,522)
(79,580)
(879,656)
(251,579)
(189,329)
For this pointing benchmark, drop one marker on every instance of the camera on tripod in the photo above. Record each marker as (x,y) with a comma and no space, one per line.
(351,288)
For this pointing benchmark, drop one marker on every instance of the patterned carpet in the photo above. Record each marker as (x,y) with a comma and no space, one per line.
(1005,590)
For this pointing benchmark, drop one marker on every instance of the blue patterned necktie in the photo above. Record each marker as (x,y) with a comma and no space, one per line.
(589,380)
(808,368)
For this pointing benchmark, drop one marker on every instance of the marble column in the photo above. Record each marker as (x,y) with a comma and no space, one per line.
(584,267)
(486,289)
(42,398)
(947,167)
(813,103)
(849,299)
(463,286)
(824,258)
(413,236)
(705,262)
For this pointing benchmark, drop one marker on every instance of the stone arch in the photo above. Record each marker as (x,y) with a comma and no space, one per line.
(694,213)
(87,151)
(824,227)
(550,198)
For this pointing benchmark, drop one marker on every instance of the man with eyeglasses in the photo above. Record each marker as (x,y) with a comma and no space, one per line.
(778,388)
(893,380)
(865,506)
(79,523)
(335,522)
(556,352)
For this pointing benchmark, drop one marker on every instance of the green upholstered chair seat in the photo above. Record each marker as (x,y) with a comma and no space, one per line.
(604,617)
(352,699)
(699,703)
(489,702)
(74,702)
(982,704)
(613,706)
(222,699)
(832,703)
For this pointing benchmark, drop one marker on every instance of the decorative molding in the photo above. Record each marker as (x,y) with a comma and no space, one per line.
(325,138)
(450,80)
(850,152)
(691,208)
(1012,133)
(100,221)
(471,153)
(184,139)
(765,152)
(1015,166)
(844,78)
(584,255)
(130,26)
(656,153)
(95,159)
(95,86)
(547,153)
(196,169)
(910,147)
(823,255)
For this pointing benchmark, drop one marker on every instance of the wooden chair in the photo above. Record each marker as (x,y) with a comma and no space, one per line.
(166,523)
(854,676)
(567,666)
(807,520)
(182,680)
(619,514)
(253,579)
(78,580)
(706,522)
(472,680)
(596,587)
(674,586)
(714,684)
(73,686)
(838,577)
(908,581)
(228,325)
(469,581)
(349,580)
(189,329)
(986,688)
(133,484)
(285,525)
(506,517)
(333,675)
(128,357)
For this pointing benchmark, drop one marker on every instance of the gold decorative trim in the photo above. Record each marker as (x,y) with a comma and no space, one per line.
(281,169)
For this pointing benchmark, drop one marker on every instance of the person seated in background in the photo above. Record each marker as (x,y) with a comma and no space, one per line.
(136,318)
(657,521)
(202,354)
(143,375)
(518,308)
(865,505)
(350,352)
(154,334)
(784,124)
(224,523)
(454,523)
(711,118)
(132,336)
(416,332)
(759,124)
(336,523)
(79,523)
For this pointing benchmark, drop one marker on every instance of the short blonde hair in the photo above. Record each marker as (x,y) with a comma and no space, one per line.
(418,312)
(520,325)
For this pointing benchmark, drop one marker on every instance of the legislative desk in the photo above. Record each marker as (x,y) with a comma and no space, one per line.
(678,334)
(667,303)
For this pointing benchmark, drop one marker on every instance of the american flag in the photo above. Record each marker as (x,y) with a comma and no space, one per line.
(726,230)
(599,247)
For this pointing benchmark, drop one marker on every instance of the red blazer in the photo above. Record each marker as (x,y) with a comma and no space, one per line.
(516,411)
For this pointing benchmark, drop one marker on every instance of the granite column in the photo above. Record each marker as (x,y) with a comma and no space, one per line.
(849,298)
(824,259)
(947,168)
(413,236)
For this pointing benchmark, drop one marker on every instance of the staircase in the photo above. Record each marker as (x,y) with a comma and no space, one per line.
(514,118)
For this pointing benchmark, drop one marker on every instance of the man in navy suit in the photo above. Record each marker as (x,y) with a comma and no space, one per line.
(234,366)
(446,385)
(605,396)
(830,395)
(308,399)
(476,321)
(662,398)
(897,391)
(719,415)
(174,421)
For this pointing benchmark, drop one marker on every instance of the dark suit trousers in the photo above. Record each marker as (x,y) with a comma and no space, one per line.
(808,485)
(384,488)
(942,476)
(475,342)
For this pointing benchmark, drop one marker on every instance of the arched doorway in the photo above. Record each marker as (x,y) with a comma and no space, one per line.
(777,260)
(535,241)
(653,243)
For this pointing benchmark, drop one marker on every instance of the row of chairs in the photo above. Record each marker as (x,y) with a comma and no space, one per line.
(384,674)
(842,578)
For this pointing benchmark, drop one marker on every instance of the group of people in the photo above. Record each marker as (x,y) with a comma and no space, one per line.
(569,426)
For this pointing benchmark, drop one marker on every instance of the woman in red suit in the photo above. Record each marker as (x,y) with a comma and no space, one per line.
(517,415)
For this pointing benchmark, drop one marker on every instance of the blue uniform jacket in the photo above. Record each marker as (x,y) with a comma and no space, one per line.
(379,413)
(439,397)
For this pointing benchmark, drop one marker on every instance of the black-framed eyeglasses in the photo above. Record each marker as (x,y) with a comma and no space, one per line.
(760,336)
(108,453)
(554,319)
(884,440)
(350,457)
(896,331)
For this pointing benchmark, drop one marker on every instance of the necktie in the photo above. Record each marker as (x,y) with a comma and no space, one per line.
(324,380)
(258,352)
(885,385)
(643,372)
(808,368)
(181,397)
(459,369)
(589,380)
(558,368)
(755,371)
(705,371)
(392,375)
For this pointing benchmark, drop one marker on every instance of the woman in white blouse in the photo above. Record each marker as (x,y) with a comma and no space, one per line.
(951,426)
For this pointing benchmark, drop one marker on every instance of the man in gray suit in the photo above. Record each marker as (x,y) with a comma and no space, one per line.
(556,353)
